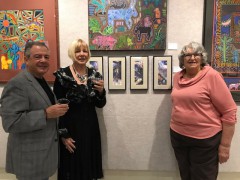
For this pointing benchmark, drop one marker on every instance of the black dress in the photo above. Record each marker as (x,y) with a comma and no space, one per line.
(82,125)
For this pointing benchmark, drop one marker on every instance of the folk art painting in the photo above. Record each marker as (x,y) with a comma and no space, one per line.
(225,50)
(16,28)
(127,24)
(222,21)
(22,22)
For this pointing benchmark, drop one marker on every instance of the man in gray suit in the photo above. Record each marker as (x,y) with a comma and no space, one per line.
(29,114)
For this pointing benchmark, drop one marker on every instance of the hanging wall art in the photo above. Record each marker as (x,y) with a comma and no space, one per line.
(127,24)
(224,46)
(96,62)
(162,72)
(138,73)
(21,22)
(117,73)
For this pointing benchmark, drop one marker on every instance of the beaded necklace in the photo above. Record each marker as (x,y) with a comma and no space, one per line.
(82,78)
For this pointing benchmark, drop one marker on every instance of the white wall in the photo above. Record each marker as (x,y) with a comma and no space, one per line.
(135,125)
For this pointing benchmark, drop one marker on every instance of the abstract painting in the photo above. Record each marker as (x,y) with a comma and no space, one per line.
(16,28)
(162,72)
(116,73)
(138,73)
(21,22)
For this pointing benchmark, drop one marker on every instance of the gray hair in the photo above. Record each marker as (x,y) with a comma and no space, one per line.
(77,45)
(29,46)
(197,48)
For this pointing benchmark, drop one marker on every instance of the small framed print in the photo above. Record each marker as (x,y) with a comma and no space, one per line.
(96,62)
(116,73)
(162,72)
(138,73)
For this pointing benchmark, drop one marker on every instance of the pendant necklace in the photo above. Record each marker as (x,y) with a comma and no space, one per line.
(82,78)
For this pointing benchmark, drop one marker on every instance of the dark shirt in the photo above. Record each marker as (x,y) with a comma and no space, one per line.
(47,89)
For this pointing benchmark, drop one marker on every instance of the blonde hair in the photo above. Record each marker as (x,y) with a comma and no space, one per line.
(76,46)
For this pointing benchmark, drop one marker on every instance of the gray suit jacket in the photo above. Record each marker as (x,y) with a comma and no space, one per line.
(32,148)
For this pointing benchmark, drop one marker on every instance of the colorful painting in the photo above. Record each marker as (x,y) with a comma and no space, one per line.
(116,73)
(162,72)
(127,24)
(23,21)
(16,28)
(225,46)
(138,73)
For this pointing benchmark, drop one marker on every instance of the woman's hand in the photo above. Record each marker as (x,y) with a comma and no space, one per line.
(69,144)
(225,144)
(223,153)
(99,86)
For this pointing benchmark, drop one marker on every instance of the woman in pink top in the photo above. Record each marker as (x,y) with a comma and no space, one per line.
(203,116)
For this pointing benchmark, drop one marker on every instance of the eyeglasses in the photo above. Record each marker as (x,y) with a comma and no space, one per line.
(189,56)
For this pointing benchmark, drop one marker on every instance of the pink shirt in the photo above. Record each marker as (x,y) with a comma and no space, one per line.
(201,104)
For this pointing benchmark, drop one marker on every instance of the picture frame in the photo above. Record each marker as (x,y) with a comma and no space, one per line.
(117,73)
(139,73)
(162,72)
(96,62)
(27,21)
(221,22)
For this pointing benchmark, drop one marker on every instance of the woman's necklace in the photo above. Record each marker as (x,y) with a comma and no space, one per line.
(82,78)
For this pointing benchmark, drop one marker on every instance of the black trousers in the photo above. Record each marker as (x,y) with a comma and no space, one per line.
(197,158)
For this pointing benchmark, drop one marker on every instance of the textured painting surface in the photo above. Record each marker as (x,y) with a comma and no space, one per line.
(226,42)
(127,24)
(16,28)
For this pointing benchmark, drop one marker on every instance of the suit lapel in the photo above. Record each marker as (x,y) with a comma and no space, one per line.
(38,88)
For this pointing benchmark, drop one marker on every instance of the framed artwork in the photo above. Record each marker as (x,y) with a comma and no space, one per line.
(127,24)
(138,73)
(116,73)
(162,72)
(224,46)
(96,62)
(24,21)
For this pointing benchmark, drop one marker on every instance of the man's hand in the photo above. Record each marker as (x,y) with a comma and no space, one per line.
(56,110)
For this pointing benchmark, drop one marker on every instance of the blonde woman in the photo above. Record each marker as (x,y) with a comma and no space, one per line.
(80,144)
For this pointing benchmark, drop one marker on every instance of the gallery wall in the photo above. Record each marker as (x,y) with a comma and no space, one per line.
(135,124)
